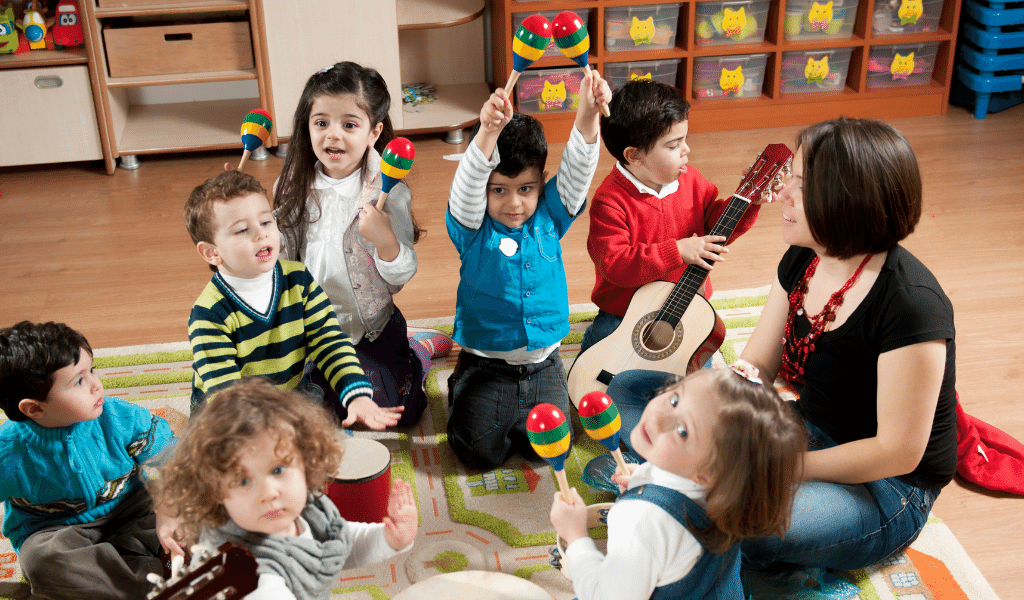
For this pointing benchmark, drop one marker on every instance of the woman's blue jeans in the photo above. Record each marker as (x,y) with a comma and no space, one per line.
(833,525)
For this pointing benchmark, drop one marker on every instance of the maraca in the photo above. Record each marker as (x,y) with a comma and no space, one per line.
(601,421)
(532,39)
(573,40)
(549,434)
(394,166)
(255,130)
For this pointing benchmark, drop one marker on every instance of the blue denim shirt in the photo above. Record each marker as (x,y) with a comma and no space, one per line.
(512,291)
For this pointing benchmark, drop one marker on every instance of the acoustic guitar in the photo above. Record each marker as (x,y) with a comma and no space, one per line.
(227,573)
(668,326)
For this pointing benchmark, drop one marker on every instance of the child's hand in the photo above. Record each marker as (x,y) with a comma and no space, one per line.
(623,480)
(166,532)
(594,93)
(698,250)
(375,227)
(403,519)
(496,112)
(366,411)
(570,520)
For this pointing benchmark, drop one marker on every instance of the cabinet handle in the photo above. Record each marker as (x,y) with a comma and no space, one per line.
(177,37)
(47,82)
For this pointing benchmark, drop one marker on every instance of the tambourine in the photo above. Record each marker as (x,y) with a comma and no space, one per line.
(597,516)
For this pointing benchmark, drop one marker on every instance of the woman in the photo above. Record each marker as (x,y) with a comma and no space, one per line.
(868,341)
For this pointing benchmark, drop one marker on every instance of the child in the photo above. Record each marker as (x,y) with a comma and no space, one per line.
(75,509)
(512,309)
(251,469)
(723,456)
(260,315)
(325,202)
(651,214)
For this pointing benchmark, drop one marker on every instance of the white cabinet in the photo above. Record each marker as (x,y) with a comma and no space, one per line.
(48,116)
(435,41)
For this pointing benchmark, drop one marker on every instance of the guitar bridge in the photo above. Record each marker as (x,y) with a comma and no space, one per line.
(605,377)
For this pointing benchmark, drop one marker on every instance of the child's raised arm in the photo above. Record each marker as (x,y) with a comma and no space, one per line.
(494,116)
(594,92)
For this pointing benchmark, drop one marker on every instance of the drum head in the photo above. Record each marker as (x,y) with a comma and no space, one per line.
(362,459)
(474,585)
(597,516)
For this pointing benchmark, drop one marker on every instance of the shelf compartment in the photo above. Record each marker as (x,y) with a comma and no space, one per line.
(182,126)
(457,106)
(137,9)
(432,14)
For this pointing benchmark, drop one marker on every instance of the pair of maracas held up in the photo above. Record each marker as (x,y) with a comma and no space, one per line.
(395,162)
(534,35)
(549,433)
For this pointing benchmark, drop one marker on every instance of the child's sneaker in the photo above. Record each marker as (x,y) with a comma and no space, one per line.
(433,340)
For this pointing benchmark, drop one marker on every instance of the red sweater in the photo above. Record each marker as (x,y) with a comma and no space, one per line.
(633,235)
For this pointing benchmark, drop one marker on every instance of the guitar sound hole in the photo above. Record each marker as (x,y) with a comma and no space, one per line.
(657,335)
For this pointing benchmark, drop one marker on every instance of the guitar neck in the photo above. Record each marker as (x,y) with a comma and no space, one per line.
(694,276)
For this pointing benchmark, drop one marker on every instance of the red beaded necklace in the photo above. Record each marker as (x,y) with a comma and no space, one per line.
(795,350)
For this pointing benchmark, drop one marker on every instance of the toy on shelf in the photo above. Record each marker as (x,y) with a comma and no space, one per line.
(8,32)
(573,40)
(531,41)
(34,26)
(395,163)
(602,422)
(67,25)
(551,438)
(256,128)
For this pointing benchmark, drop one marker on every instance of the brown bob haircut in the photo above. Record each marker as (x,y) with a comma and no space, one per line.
(861,185)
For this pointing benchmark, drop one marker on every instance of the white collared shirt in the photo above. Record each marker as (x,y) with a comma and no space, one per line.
(665,189)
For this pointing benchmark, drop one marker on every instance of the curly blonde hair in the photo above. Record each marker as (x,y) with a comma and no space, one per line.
(191,484)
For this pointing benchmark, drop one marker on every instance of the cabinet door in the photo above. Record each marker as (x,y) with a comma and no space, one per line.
(48,116)
(303,37)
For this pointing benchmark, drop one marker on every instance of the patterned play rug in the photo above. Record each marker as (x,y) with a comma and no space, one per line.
(498,520)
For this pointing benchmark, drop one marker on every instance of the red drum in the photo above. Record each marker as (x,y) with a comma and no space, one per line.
(362,486)
(474,585)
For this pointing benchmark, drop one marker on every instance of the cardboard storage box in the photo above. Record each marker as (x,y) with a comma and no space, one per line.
(184,48)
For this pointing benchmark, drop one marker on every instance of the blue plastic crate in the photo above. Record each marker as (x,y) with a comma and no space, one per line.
(995,14)
(983,102)
(1011,36)
(1007,59)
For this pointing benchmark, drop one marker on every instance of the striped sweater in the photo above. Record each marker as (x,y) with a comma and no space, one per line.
(231,340)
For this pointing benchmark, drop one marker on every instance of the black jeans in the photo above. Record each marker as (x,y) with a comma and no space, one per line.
(489,400)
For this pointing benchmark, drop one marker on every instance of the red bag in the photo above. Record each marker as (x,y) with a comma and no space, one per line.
(987,455)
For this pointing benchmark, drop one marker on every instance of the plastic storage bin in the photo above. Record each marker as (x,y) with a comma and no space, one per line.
(901,64)
(815,70)
(618,74)
(811,19)
(645,27)
(549,90)
(552,49)
(897,17)
(731,22)
(737,76)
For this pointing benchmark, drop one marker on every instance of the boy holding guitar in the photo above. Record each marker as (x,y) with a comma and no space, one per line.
(651,215)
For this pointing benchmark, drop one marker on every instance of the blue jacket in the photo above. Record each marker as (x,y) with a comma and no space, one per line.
(76,474)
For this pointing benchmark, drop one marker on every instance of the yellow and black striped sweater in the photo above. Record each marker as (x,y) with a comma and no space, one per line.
(231,340)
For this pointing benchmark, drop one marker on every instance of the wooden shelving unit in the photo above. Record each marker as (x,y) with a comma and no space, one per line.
(128,128)
(772,108)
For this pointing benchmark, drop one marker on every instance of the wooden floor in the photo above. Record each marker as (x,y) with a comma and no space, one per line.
(110,256)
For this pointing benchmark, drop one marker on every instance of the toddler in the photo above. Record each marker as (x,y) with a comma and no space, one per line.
(251,469)
(512,309)
(723,455)
(260,315)
(325,200)
(651,214)
(75,509)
